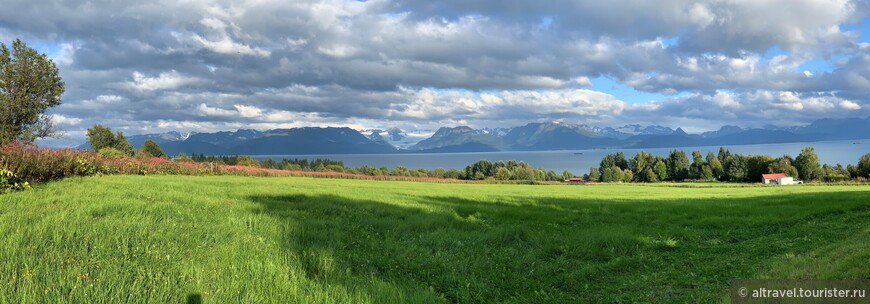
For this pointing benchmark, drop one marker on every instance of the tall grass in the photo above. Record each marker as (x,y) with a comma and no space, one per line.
(231,239)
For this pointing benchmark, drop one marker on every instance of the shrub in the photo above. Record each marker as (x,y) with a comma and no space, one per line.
(181,157)
(111,152)
(9,182)
(247,161)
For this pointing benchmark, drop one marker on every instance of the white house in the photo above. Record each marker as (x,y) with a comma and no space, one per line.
(779,179)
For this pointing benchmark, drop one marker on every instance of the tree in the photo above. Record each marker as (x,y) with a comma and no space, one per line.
(678,165)
(629,176)
(566,175)
(100,137)
(715,166)
(783,165)
(661,170)
(864,165)
(150,148)
(523,173)
(502,174)
(756,165)
(649,176)
(122,145)
(607,175)
(29,86)
(707,173)
(618,174)
(736,168)
(698,163)
(723,155)
(807,164)
(594,175)
(614,159)
(640,162)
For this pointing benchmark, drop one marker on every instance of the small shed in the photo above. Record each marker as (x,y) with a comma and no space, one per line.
(574,180)
(768,179)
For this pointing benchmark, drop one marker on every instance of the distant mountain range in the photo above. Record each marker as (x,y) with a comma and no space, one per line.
(530,137)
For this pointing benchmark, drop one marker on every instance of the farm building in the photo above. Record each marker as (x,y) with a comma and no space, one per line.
(778,179)
(575,180)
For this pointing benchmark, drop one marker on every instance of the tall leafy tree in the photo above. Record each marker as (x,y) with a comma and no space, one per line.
(807,164)
(736,168)
(122,145)
(698,164)
(661,169)
(715,166)
(150,148)
(594,175)
(863,168)
(756,165)
(678,165)
(613,159)
(29,86)
(101,137)
(783,165)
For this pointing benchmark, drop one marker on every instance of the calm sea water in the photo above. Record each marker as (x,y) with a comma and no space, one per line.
(579,161)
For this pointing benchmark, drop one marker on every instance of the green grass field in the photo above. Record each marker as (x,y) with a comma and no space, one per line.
(177,239)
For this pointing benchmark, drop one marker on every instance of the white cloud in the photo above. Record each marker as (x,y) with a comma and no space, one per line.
(205,110)
(849,105)
(164,81)
(62,120)
(248,111)
(220,40)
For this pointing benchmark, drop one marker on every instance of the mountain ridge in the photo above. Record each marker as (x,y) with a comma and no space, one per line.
(543,136)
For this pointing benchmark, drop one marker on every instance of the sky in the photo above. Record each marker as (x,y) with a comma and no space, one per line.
(204,66)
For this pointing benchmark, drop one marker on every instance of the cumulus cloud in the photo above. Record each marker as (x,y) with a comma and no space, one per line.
(163,81)
(220,65)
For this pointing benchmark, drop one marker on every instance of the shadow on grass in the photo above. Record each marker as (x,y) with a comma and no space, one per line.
(194,298)
(521,249)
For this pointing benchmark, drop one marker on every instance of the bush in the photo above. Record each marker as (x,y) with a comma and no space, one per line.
(244,160)
(9,182)
(181,157)
(39,165)
(111,152)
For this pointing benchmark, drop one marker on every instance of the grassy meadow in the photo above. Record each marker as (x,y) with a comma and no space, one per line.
(230,239)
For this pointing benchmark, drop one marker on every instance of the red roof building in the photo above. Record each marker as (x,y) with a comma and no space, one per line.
(771,178)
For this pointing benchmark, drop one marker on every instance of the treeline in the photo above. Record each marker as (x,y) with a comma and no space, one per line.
(724,166)
(511,170)
(321,165)
(481,170)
